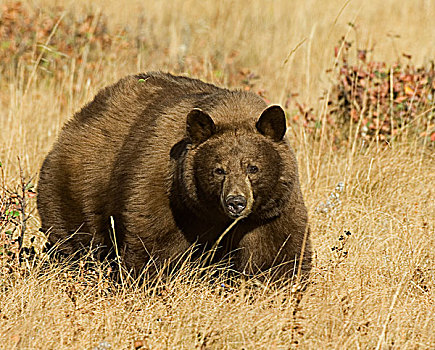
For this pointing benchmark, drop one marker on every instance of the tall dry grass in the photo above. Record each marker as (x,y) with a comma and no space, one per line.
(372,289)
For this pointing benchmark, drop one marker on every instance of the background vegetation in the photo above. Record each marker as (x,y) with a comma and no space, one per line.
(357,81)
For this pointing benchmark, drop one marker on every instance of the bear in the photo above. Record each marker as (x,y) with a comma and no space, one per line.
(158,163)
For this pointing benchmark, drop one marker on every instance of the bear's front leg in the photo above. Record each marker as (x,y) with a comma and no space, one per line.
(152,251)
(270,248)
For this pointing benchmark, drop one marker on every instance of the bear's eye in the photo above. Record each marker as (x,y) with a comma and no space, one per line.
(219,171)
(252,169)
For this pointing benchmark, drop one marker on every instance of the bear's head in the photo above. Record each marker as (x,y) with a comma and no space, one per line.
(240,171)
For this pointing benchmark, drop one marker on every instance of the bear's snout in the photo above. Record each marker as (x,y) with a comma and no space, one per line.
(236,204)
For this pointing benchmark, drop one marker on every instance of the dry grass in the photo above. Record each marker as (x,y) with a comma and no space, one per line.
(374,290)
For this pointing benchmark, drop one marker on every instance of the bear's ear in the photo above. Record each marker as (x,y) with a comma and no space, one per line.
(199,126)
(272,123)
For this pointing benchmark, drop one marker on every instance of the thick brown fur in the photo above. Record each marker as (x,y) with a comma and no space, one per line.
(160,154)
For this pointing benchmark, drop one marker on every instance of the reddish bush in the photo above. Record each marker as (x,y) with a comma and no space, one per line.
(382,100)
(13,220)
(47,38)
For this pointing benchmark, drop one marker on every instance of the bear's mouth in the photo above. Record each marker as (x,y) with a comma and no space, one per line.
(237,200)
(236,206)
(232,215)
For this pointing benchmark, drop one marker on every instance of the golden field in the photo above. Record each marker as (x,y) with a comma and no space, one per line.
(371,289)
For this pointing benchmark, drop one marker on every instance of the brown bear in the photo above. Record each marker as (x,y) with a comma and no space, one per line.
(170,162)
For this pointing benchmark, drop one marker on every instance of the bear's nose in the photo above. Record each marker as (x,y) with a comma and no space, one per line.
(236,204)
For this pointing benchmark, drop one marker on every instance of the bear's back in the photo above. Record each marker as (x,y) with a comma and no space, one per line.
(97,133)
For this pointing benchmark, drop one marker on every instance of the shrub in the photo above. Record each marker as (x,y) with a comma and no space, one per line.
(13,221)
(372,100)
(381,100)
(49,38)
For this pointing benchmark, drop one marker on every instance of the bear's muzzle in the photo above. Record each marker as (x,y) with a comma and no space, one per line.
(236,204)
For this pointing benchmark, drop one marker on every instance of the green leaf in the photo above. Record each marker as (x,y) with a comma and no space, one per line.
(13,213)
(218,73)
(380,74)
(141,80)
(5,45)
